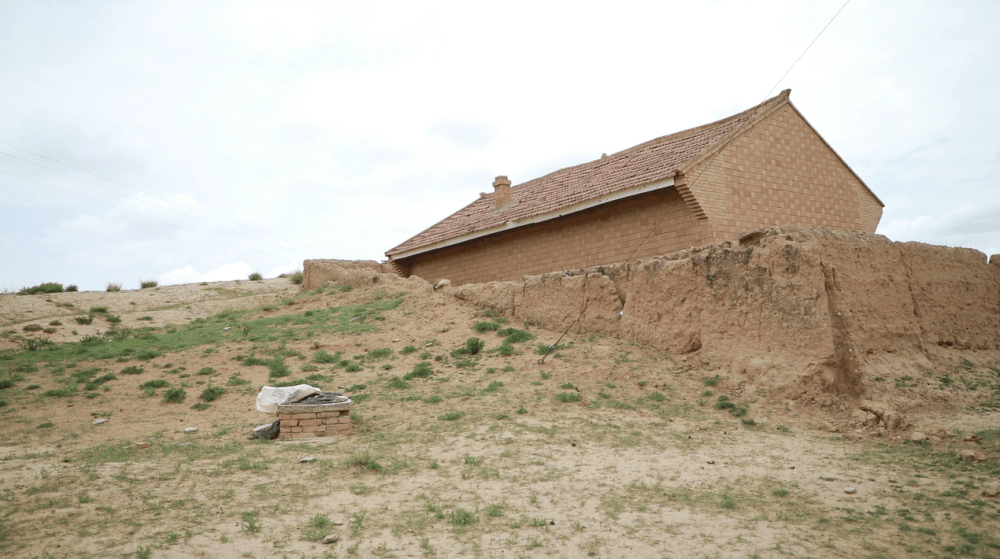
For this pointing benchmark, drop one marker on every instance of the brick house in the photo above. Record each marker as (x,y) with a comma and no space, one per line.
(763,167)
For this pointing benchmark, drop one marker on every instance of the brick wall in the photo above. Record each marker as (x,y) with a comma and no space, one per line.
(780,172)
(597,236)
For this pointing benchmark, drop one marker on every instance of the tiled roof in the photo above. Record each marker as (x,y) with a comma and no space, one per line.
(640,165)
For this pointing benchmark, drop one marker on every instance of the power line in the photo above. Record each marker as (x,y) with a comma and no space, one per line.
(693,182)
(141,215)
(154,196)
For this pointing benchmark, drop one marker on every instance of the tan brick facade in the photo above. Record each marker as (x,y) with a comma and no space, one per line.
(781,172)
(774,171)
(600,235)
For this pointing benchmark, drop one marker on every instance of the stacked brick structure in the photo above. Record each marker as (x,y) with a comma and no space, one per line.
(314,420)
(761,168)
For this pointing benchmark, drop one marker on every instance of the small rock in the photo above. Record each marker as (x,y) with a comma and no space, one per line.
(850,490)
(968,455)
(190,429)
(307,459)
(338,522)
(918,437)
(100,421)
(184,444)
(142,444)
(332,538)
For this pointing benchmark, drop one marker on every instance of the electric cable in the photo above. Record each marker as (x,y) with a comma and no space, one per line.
(693,182)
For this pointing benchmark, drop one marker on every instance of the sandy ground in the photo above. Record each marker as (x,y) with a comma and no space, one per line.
(641,466)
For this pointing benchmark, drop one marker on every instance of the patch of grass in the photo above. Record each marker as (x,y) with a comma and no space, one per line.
(249,523)
(132,370)
(201,406)
(146,284)
(514,336)
(453,416)
(255,276)
(408,350)
(420,370)
(236,380)
(174,395)
(322,356)
(296,277)
(365,458)
(50,287)
(483,327)
(711,381)
(397,383)
(566,397)
(462,517)
(83,319)
(494,386)
(212,393)
(158,383)
(205,371)
(113,287)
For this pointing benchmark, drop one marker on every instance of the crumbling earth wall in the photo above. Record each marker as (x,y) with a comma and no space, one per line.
(785,308)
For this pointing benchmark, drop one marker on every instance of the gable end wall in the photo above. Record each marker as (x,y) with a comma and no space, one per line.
(780,172)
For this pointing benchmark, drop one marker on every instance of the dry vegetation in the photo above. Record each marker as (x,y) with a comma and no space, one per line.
(464,449)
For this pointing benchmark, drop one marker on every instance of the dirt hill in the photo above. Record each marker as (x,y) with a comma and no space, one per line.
(614,447)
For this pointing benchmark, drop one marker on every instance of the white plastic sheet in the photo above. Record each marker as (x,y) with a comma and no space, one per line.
(271,397)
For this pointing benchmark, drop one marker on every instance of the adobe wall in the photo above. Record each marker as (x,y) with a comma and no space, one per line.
(781,172)
(782,308)
(352,272)
(601,235)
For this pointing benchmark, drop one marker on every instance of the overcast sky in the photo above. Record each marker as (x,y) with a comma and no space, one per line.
(199,141)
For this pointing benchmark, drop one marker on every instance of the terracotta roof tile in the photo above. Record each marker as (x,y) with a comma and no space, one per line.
(643,164)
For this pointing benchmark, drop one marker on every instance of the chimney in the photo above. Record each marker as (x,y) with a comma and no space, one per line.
(501,195)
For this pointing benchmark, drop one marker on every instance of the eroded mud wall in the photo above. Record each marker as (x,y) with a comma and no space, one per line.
(780,306)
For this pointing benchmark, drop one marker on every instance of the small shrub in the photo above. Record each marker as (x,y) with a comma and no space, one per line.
(133,370)
(483,327)
(201,406)
(514,336)
(237,381)
(521,410)
(147,354)
(462,517)
(296,277)
(98,310)
(322,356)
(345,288)
(474,345)
(72,288)
(408,350)
(113,287)
(566,397)
(567,386)
(212,393)
(158,383)
(380,353)
(454,416)
(42,288)
(205,371)
(174,395)
(352,368)
(32,328)
(146,284)
(398,383)
(6,383)
(83,319)
(505,349)
(712,380)
(255,276)
(420,370)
